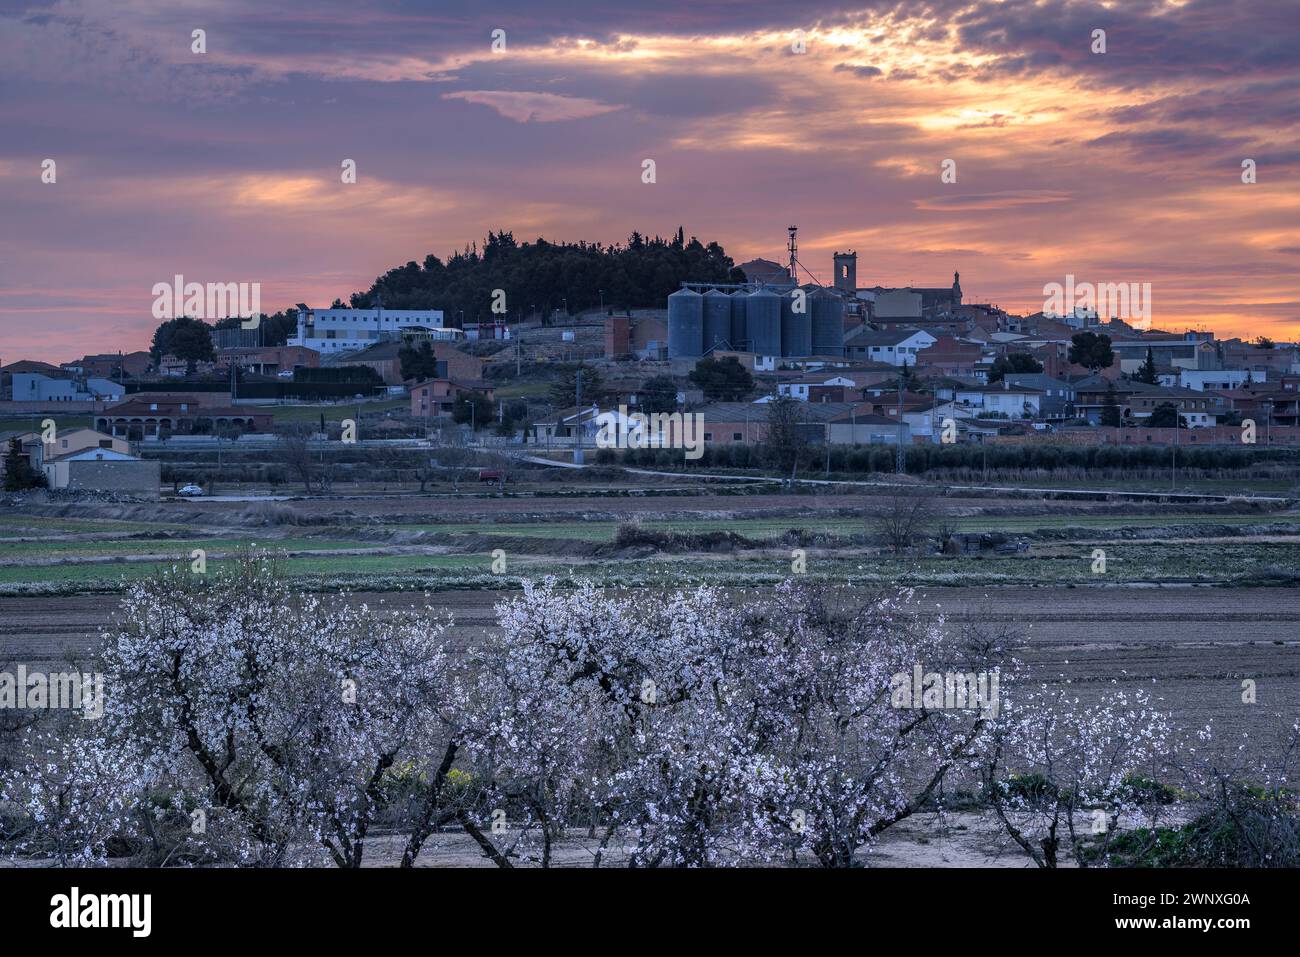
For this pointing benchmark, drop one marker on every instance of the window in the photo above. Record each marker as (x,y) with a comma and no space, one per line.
(708,436)
(736,436)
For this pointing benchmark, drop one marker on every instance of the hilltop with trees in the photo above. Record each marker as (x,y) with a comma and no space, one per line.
(537,277)
(542,276)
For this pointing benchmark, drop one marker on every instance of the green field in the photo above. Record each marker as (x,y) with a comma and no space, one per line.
(32,423)
(93,554)
(335,412)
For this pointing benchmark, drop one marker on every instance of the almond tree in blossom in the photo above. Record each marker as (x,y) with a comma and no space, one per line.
(272,716)
(687,729)
(1059,769)
(702,732)
(837,763)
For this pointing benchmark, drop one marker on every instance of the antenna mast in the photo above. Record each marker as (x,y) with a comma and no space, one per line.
(794,254)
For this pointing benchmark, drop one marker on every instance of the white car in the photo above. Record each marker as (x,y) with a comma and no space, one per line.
(190,490)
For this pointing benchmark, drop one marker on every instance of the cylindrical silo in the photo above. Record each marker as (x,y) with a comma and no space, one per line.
(763,322)
(685,324)
(827,323)
(796,323)
(739,333)
(717,320)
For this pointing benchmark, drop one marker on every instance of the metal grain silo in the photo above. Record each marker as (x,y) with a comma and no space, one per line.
(717,320)
(796,326)
(739,331)
(827,323)
(763,322)
(685,324)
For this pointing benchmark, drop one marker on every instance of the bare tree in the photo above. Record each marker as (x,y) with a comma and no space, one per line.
(906,516)
(785,440)
(295,447)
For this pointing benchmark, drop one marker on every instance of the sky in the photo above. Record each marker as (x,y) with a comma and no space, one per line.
(225,165)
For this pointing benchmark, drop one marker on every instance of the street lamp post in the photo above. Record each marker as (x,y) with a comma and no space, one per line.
(577,432)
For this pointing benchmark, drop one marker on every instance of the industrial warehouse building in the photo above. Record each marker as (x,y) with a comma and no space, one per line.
(334,331)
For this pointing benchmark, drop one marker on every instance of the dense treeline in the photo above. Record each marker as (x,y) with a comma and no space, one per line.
(923,459)
(543,276)
(356,375)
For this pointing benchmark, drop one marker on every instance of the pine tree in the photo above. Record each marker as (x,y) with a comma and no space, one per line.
(19,474)
(1110,408)
(1147,371)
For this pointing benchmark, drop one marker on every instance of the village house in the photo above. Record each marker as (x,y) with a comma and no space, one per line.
(97,469)
(822,387)
(385,359)
(1056,403)
(1217,380)
(1254,404)
(1001,399)
(568,424)
(1090,396)
(270,360)
(898,347)
(1181,352)
(111,365)
(71,442)
(151,416)
(86,460)
(435,397)
(735,423)
(949,356)
(1198,409)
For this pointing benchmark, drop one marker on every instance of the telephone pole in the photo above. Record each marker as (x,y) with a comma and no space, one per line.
(900,456)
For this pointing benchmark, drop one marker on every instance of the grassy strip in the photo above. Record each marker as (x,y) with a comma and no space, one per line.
(32,422)
(335,412)
(111,577)
(168,546)
(604,531)
(1168,563)
(16,524)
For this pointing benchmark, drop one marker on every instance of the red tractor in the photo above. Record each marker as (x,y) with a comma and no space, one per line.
(491,476)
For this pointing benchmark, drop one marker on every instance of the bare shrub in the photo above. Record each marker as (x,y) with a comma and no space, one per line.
(906,516)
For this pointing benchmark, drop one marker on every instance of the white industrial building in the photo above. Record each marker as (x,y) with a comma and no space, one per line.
(333,331)
(40,387)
